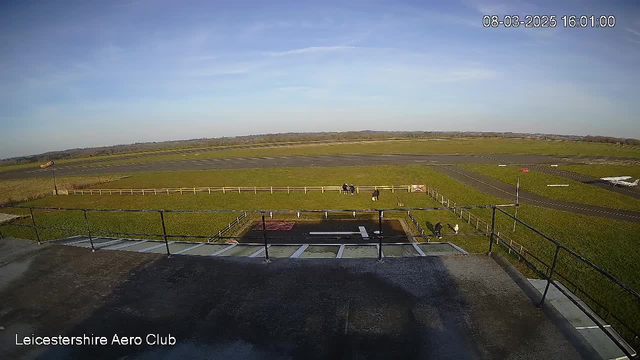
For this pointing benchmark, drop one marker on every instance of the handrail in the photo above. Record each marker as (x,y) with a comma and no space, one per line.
(523,253)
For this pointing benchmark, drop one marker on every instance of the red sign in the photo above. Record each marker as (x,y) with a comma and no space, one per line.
(524,170)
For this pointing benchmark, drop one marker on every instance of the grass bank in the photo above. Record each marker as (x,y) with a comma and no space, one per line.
(14,191)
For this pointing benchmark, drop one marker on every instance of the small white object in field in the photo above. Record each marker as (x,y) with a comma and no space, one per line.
(502,165)
(456,228)
(558,185)
(554,165)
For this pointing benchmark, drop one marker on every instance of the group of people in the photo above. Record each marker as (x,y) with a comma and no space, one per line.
(348,188)
(375,196)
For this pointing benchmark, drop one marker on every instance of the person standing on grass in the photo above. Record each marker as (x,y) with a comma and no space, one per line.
(456,228)
(352,189)
(438,230)
(344,188)
(375,195)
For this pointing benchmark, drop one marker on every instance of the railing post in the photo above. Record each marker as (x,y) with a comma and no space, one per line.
(553,268)
(164,232)
(264,237)
(379,234)
(493,227)
(33,221)
(86,220)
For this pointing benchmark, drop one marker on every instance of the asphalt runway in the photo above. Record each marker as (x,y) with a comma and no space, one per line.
(497,188)
(586,179)
(283,161)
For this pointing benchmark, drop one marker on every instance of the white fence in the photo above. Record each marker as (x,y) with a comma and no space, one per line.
(477,223)
(235,189)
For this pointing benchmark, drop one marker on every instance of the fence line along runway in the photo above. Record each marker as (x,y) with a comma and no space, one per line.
(282,161)
(497,188)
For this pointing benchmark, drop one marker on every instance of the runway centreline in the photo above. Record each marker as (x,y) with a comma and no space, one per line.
(282,161)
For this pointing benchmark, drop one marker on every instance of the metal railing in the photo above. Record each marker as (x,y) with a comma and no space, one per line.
(534,262)
(231,225)
(235,189)
(244,214)
(379,236)
(550,281)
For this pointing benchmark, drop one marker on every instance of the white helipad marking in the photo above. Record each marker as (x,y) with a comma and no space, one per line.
(340,252)
(259,251)
(223,250)
(105,244)
(189,248)
(154,247)
(363,232)
(77,242)
(127,245)
(415,246)
(299,252)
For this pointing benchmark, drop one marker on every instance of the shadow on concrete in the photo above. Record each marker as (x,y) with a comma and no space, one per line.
(429,307)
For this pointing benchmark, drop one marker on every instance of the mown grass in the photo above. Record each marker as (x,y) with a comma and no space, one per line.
(536,182)
(14,191)
(599,171)
(612,245)
(424,146)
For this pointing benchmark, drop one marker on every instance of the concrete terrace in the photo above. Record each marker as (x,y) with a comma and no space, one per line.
(432,307)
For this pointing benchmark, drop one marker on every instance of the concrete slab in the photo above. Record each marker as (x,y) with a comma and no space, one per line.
(241,308)
(96,242)
(282,251)
(122,245)
(360,251)
(205,250)
(241,250)
(579,320)
(173,248)
(603,344)
(399,250)
(438,249)
(142,246)
(320,252)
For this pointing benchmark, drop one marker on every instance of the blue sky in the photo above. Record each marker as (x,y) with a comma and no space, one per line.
(91,73)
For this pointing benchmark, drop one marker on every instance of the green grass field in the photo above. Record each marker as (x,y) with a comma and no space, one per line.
(610,244)
(536,183)
(12,191)
(599,171)
(423,146)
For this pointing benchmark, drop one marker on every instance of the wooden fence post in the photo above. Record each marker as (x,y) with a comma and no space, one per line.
(272,189)
(223,191)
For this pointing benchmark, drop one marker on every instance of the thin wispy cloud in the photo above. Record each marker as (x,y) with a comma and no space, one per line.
(634,32)
(137,64)
(311,50)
